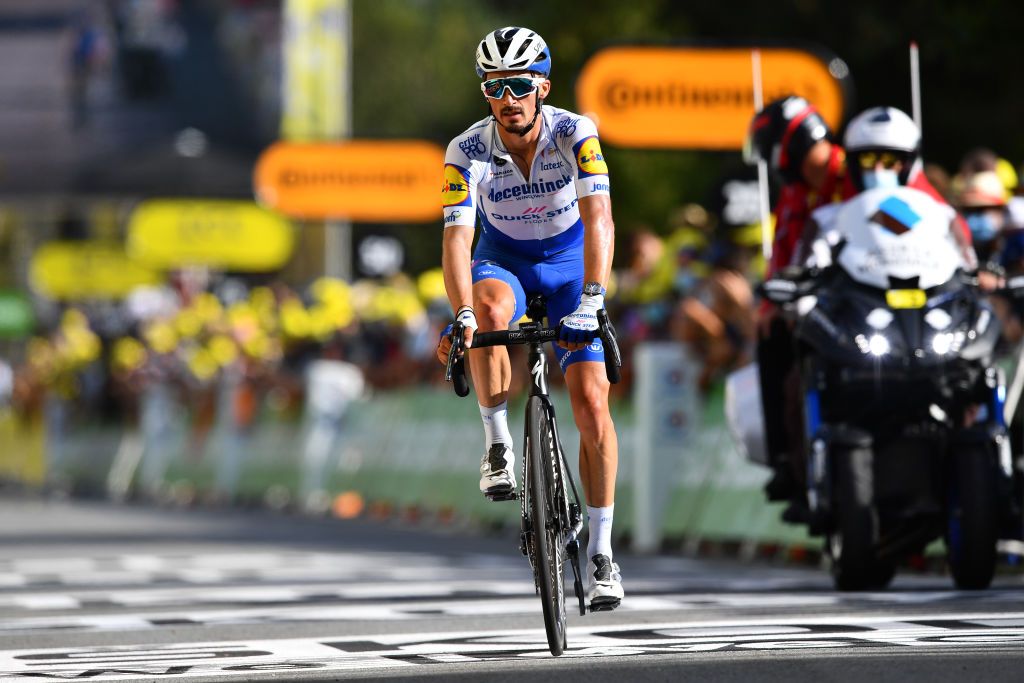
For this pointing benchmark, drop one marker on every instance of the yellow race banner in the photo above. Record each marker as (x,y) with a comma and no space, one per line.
(316,54)
(223,234)
(698,97)
(80,270)
(359,180)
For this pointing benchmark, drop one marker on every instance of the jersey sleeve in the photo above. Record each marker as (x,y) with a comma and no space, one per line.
(589,166)
(458,190)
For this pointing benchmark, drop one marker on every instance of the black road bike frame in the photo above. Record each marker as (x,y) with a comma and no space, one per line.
(551,520)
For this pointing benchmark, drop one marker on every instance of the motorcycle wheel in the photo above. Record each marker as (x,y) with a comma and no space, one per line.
(972,519)
(854,533)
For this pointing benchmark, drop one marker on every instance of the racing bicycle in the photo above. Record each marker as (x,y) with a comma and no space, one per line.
(551,519)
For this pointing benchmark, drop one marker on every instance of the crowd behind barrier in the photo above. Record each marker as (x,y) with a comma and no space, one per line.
(197,379)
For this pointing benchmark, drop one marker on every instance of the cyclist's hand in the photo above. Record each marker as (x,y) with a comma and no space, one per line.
(579,328)
(468,320)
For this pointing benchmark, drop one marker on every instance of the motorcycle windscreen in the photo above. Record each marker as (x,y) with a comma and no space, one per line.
(897,234)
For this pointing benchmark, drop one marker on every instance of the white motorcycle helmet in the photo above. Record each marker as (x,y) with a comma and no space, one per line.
(882,134)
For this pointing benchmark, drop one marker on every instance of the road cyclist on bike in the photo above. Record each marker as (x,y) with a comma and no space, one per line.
(537,180)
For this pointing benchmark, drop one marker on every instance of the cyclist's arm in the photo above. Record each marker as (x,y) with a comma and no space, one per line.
(598,237)
(593,189)
(455,262)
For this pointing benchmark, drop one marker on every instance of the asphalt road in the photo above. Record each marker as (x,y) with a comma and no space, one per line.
(103,592)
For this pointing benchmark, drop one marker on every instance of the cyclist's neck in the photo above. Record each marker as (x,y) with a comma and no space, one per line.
(523,148)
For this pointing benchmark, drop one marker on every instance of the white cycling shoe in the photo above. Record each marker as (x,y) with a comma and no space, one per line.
(604,584)
(497,475)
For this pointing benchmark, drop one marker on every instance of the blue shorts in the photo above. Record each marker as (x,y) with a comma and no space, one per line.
(559,279)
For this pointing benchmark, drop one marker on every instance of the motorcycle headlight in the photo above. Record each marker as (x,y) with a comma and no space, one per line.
(948,342)
(942,343)
(876,345)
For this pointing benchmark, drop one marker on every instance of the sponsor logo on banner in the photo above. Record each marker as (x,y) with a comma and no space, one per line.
(589,157)
(455,190)
(360,180)
(662,97)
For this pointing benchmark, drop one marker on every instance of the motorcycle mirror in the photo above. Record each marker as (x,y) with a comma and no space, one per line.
(780,290)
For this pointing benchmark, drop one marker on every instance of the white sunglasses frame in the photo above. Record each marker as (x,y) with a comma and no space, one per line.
(537,82)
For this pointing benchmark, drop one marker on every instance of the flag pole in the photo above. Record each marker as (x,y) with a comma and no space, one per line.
(762,165)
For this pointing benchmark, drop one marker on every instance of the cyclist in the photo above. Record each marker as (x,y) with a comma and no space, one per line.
(536,178)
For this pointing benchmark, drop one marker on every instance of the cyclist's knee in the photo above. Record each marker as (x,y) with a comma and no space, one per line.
(493,309)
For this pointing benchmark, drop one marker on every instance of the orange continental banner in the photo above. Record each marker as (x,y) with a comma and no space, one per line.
(359,180)
(695,97)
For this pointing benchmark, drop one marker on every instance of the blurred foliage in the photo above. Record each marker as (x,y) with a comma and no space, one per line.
(414,75)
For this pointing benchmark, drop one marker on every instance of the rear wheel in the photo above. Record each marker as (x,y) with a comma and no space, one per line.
(546,527)
(972,526)
(854,534)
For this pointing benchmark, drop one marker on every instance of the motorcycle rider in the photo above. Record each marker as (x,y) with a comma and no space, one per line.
(791,135)
(883,147)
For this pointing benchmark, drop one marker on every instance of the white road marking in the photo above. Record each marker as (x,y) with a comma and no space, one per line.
(317,608)
(240,658)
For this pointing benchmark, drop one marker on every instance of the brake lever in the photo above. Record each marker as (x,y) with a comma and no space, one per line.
(455,371)
(612,355)
(456,337)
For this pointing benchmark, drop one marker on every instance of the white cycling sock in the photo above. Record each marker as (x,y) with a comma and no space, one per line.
(600,522)
(496,425)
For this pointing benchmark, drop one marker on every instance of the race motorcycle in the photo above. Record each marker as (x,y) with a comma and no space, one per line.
(904,433)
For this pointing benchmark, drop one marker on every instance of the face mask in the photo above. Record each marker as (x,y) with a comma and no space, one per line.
(884,178)
(983,228)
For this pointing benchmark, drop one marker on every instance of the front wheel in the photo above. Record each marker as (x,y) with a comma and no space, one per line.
(546,527)
(972,526)
(855,529)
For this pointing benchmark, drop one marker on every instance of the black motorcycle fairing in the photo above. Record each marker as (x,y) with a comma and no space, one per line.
(837,326)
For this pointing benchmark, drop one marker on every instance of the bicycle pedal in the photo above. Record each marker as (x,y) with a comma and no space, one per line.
(604,604)
(497,494)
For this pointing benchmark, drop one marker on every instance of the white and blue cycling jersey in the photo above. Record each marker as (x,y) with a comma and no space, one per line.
(536,217)
(531,231)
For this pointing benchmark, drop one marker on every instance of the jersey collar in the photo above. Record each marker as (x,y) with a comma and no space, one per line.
(544,140)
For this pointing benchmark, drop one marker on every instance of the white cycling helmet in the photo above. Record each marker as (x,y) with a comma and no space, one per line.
(513,49)
(882,129)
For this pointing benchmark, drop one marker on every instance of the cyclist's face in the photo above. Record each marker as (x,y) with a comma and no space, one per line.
(514,112)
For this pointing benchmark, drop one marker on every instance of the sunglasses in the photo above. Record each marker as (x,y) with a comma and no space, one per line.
(519,86)
(888,160)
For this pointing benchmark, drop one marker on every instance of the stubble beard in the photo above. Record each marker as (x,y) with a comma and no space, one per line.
(516,128)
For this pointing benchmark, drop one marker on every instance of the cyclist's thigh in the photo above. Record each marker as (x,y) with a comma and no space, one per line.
(491,278)
(563,284)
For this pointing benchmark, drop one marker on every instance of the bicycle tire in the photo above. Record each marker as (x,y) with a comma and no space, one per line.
(546,525)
